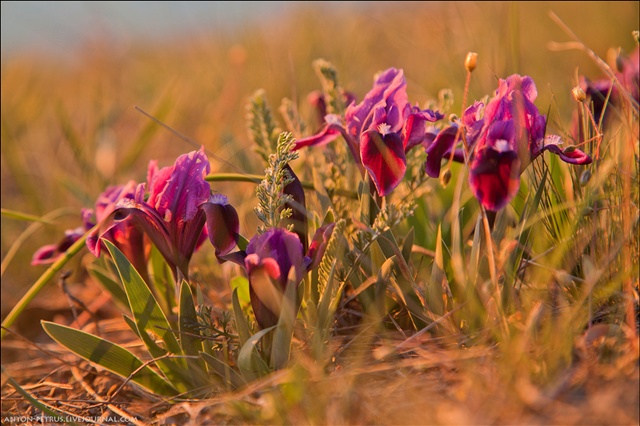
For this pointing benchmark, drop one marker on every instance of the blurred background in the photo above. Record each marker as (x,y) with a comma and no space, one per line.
(73,74)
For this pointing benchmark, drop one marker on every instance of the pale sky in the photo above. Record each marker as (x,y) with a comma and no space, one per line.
(55,26)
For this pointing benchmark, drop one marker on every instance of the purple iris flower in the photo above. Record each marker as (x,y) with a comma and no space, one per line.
(628,74)
(268,261)
(124,236)
(503,137)
(174,211)
(379,131)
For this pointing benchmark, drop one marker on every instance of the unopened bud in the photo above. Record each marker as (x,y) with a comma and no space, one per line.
(453,118)
(471,61)
(445,177)
(585,177)
(636,35)
(578,94)
(569,149)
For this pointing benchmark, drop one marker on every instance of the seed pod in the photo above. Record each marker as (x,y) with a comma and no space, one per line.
(445,178)
(471,61)
(578,94)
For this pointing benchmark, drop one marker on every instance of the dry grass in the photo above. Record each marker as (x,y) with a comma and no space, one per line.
(57,119)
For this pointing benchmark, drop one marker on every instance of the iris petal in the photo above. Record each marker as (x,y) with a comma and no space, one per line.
(384,158)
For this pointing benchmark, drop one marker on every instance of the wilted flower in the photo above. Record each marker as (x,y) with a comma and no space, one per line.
(379,131)
(503,137)
(174,212)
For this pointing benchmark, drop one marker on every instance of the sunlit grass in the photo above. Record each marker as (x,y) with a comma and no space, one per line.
(531,321)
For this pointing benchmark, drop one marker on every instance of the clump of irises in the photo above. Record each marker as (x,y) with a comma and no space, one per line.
(176,210)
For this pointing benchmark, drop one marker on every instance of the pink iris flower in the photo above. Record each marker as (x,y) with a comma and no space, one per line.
(379,131)
(172,209)
(123,235)
(503,137)
(268,261)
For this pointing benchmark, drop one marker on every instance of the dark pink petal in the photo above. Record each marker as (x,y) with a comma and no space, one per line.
(177,191)
(383,157)
(269,259)
(223,223)
(281,245)
(389,89)
(569,155)
(51,252)
(439,149)
(45,255)
(264,291)
(298,207)
(415,128)
(494,177)
(146,220)
(328,133)
(473,121)
(319,245)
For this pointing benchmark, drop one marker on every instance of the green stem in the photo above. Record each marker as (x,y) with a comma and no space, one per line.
(42,281)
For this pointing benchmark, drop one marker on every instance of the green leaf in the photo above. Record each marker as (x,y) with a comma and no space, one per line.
(242,285)
(438,278)
(224,370)
(162,280)
(146,311)
(250,363)
(244,333)
(188,320)
(189,330)
(283,333)
(407,246)
(114,288)
(109,356)
(151,321)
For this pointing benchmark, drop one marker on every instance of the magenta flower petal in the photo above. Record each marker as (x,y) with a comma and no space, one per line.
(177,191)
(269,259)
(439,149)
(494,177)
(415,129)
(570,155)
(379,130)
(328,133)
(298,207)
(384,158)
(223,223)
(318,245)
(51,252)
(389,91)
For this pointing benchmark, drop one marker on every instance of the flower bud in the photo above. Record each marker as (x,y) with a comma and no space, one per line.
(471,61)
(445,177)
(636,35)
(578,94)
(453,118)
